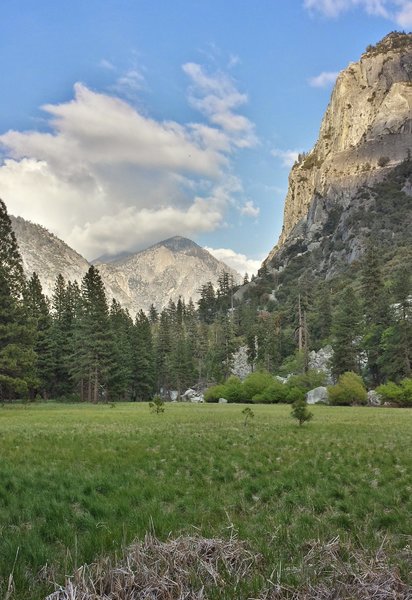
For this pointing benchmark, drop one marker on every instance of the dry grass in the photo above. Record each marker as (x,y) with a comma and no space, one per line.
(340,572)
(180,569)
(188,568)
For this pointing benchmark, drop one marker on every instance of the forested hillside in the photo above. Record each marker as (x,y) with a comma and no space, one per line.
(80,346)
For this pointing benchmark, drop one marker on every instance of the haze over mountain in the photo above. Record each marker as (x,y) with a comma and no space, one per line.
(170,269)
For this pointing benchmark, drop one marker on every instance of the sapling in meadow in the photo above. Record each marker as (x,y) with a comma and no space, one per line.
(248,414)
(300,412)
(157,406)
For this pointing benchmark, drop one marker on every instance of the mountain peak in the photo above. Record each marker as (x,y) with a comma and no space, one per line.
(365,133)
(178,243)
(395,40)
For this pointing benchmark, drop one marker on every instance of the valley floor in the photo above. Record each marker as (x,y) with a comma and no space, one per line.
(79,481)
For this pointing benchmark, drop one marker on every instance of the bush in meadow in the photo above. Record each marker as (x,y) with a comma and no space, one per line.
(349,390)
(400,395)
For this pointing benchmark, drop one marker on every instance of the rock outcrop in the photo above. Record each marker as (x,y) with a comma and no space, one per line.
(168,270)
(366,132)
(174,268)
(47,255)
(318,396)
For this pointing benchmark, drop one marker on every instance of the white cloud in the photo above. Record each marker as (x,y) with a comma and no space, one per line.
(106,64)
(398,11)
(404,15)
(249,209)
(129,83)
(107,178)
(217,97)
(324,79)
(333,8)
(234,60)
(239,262)
(288,157)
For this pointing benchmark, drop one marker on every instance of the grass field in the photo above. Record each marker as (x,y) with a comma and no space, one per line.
(80,481)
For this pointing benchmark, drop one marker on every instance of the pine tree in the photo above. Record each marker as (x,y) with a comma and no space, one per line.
(10,259)
(37,307)
(65,311)
(396,340)
(163,348)
(120,368)
(17,357)
(207,303)
(320,317)
(143,359)
(346,331)
(91,357)
(376,310)
(153,315)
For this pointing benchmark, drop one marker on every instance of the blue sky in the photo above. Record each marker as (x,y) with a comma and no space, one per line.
(123,122)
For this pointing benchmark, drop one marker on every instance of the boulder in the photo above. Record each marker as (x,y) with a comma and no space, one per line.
(319,394)
(192,395)
(320,361)
(374,399)
(222,401)
(240,364)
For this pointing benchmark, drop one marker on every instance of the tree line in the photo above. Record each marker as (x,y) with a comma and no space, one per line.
(76,345)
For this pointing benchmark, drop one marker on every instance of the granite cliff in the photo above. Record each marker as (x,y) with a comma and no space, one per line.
(365,138)
(170,269)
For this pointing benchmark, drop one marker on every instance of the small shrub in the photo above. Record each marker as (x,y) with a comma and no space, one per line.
(157,406)
(214,393)
(256,383)
(294,394)
(308,381)
(349,390)
(248,414)
(300,412)
(383,161)
(234,391)
(400,395)
(276,392)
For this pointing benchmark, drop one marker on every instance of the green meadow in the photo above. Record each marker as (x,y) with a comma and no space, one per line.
(80,481)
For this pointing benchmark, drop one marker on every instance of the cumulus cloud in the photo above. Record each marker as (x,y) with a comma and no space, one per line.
(239,262)
(107,178)
(129,83)
(333,8)
(288,157)
(324,79)
(106,64)
(398,11)
(404,15)
(217,97)
(249,209)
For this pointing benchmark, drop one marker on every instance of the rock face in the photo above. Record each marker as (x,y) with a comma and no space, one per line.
(240,365)
(318,395)
(374,399)
(47,255)
(365,133)
(173,268)
(320,361)
(193,396)
(170,269)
